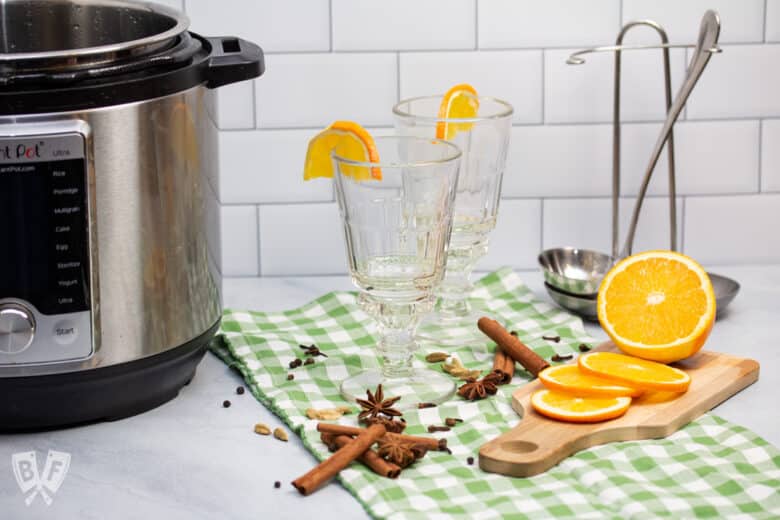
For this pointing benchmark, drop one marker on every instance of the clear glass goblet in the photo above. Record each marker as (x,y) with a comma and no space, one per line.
(484,141)
(397,218)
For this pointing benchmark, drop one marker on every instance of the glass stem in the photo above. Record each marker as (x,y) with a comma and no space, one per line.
(454,292)
(396,349)
(397,322)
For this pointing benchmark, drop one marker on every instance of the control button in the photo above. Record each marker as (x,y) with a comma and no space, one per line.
(17,328)
(65,332)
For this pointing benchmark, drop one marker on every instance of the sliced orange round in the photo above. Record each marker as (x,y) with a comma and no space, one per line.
(349,140)
(460,102)
(657,305)
(566,407)
(633,371)
(571,380)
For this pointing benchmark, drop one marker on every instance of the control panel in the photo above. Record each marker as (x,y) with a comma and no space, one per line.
(45,303)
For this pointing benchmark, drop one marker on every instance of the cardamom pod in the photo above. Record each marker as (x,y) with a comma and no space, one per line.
(327,414)
(280,434)
(436,357)
(262,429)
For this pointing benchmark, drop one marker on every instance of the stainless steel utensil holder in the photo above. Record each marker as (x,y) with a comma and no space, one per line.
(618,48)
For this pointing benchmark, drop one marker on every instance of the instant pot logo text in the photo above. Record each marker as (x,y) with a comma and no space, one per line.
(22,151)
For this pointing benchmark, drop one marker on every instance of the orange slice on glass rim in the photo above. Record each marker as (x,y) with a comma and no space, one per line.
(571,380)
(569,408)
(460,102)
(349,140)
(657,305)
(634,371)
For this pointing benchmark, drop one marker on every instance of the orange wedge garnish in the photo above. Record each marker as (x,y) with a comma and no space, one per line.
(349,140)
(657,305)
(571,380)
(636,372)
(460,102)
(566,407)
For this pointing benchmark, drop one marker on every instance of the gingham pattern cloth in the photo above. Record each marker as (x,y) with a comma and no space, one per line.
(710,468)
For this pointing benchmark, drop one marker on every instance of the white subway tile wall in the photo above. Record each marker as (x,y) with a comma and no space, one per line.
(770,155)
(351,59)
(403,25)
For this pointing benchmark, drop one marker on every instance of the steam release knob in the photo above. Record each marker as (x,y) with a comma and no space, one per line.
(17,328)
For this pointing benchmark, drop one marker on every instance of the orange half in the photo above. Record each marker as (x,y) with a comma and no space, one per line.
(569,408)
(657,305)
(571,380)
(636,372)
(349,140)
(460,102)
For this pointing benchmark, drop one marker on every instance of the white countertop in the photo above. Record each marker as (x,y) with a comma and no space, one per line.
(193,459)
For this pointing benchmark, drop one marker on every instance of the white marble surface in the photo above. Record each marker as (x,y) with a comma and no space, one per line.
(193,459)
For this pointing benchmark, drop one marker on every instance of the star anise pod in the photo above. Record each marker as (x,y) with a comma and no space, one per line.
(474,390)
(389,424)
(399,452)
(376,405)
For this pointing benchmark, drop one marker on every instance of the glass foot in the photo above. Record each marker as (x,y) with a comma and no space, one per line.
(422,386)
(452,331)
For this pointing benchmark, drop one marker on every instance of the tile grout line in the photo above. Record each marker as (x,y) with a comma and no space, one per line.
(397,77)
(255,121)
(760,154)
(544,88)
(481,49)
(681,245)
(541,224)
(330,25)
(259,247)
(476,24)
(766,5)
(528,125)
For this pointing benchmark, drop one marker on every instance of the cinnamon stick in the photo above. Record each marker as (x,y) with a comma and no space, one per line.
(370,458)
(330,467)
(512,346)
(429,443)
(503,365)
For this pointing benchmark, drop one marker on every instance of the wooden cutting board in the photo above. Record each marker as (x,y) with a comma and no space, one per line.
(538,443)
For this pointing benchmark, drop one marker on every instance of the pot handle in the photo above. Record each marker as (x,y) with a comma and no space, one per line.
(233,60)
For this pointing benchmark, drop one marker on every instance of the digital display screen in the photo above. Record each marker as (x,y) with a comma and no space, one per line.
(44,253)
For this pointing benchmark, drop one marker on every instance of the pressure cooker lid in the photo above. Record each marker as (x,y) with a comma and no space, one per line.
(58,35)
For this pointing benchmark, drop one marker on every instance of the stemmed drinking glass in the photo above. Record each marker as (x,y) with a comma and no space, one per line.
(397,218)
(484,141)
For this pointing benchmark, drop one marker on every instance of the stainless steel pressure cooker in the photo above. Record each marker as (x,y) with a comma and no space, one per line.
(109,285)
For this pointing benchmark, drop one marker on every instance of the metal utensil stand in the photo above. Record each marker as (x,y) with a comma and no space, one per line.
(618,48)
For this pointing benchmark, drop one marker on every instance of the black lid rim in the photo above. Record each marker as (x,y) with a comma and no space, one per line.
(128,87)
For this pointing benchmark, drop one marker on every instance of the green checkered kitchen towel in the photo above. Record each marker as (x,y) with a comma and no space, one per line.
(710,468)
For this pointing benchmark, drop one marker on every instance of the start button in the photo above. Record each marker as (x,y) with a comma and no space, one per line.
(65,332)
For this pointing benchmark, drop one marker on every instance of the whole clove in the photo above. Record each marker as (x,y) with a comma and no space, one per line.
(452,421)
(426,405)
(554,339)
(295,363)
(290,377)
(558,357)
(225,404)
(312,350)
(309,361)
(434,429)
(583,347)
(240,390)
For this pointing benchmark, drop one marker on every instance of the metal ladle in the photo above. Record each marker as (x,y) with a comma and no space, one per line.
(554,261)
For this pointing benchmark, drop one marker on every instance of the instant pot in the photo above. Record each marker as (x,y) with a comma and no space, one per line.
(109,285)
